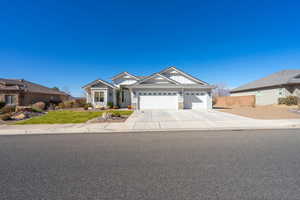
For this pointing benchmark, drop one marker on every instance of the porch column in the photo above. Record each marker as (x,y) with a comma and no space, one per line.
(181,100)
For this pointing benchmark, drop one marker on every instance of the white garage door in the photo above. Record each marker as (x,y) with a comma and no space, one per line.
(158,100)
(195,100)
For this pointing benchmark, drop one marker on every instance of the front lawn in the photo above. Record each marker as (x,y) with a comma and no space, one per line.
(69,117)
(62,117)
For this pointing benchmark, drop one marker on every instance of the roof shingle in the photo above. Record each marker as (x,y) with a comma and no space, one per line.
(20,84)
(280,78)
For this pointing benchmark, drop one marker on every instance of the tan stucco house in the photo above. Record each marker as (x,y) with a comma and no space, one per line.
(269,89)
(22,93)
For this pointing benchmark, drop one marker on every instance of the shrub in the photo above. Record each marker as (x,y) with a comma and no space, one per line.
(2,104)
(81,102)
(5,117)
(35,109)
(110,104)
(116,107)
(290,100)
(87,106)
(8,109)
(61,105)
(68,104)
(39,106)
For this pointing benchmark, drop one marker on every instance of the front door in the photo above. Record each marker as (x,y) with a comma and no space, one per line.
(125,98)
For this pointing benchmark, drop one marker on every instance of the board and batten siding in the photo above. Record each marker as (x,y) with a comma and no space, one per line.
(178,77)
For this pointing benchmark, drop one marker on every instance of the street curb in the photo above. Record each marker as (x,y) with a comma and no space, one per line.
(44,132)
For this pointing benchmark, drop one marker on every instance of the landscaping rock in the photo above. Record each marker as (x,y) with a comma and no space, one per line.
(39,105)
(107,115)
(19,116)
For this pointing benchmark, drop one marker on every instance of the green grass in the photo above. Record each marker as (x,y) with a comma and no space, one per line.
(68,117)
(121,112)
(62,117)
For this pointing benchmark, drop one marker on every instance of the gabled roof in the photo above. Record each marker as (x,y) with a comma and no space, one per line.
(154,75)
(99,81)
(184,74)
(284,77)
(125,73)
(27,86)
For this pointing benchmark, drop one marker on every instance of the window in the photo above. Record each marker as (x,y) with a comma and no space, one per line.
(10,99)
(99,96)
(174,93)
(192,93)
(154,93)
(169,93)
(159,93)
(197,94)
(165,93)
(150,93)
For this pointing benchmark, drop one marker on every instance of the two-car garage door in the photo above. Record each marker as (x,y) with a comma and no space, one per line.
(168,100)
(158,100)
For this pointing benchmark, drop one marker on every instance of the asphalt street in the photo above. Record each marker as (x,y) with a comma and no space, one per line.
(254,165)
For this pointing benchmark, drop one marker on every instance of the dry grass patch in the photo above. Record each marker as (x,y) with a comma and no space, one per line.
(264,112)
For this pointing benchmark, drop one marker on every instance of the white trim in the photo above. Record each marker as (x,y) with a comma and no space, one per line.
(101,81)
(122,74)
(184,74)
(154,75)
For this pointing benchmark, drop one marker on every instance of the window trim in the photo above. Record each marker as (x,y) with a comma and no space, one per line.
(12,99)
(99,98)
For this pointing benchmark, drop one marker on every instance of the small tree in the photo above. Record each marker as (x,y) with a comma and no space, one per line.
(221,90)
(55,88)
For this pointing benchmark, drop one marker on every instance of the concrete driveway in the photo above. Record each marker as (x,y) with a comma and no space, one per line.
(194,119)
(183,115)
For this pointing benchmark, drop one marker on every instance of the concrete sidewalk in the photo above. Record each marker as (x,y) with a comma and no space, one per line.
(148,126)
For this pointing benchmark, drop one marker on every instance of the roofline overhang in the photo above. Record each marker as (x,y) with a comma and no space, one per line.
(170,86)
(120,74)
(184,73)
(156,74)
(99,80)
(265,87)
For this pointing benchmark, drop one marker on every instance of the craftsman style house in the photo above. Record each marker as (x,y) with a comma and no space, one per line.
(169,89)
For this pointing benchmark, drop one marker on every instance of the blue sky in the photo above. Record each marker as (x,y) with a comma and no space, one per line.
(70,43)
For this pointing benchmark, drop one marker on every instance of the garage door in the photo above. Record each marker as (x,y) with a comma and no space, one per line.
(158,100)
(195,100)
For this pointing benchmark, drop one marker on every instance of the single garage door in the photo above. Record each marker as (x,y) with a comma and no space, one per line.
(158,100)
(195,100)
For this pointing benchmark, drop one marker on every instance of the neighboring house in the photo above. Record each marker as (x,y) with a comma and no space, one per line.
(22,93)
(267,90)
(169,89)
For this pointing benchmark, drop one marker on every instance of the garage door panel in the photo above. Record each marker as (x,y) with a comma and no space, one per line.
(158,101)
(195,100)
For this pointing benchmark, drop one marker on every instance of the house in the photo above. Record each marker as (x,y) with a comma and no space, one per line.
(170,88)
(268,89)
(22,93)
